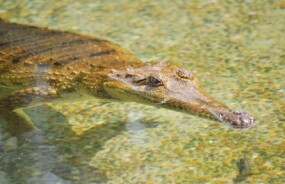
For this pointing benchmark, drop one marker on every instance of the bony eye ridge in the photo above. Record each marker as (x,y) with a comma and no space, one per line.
(184,74)
(153,81)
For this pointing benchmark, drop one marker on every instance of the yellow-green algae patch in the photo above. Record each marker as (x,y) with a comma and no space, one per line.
(236,48)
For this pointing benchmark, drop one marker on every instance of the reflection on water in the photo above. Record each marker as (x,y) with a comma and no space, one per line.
(236,49)
(56,153)
(42,153)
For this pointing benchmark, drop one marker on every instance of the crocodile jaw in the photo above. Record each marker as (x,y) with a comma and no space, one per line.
(164,85)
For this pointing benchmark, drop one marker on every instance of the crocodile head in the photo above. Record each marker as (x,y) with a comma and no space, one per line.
(171,87)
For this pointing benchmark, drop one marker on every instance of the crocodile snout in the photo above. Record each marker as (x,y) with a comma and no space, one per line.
(237,119)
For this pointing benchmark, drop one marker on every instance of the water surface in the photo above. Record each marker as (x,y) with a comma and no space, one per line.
(236,48)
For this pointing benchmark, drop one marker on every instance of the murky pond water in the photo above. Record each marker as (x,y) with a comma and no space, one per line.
(236,48)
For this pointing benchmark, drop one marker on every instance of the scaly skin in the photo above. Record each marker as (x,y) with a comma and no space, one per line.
(39,65)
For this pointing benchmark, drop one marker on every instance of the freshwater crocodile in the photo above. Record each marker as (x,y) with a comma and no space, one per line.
(39,65)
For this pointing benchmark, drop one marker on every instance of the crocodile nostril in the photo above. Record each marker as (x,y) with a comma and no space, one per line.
(239,112)
(245,120)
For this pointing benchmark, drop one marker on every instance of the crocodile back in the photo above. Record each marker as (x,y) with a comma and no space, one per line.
(28,52)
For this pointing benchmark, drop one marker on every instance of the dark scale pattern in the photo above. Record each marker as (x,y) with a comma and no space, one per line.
(27,46)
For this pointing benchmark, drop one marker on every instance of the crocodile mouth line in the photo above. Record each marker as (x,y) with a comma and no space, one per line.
(142,97)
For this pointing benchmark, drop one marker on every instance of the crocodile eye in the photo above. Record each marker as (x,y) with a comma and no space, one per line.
(153,81)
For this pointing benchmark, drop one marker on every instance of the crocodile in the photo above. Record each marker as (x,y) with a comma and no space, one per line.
(39,65)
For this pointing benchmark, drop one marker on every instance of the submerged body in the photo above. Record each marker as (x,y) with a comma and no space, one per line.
(38,65)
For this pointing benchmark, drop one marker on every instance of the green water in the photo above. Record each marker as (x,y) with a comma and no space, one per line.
(236,48)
